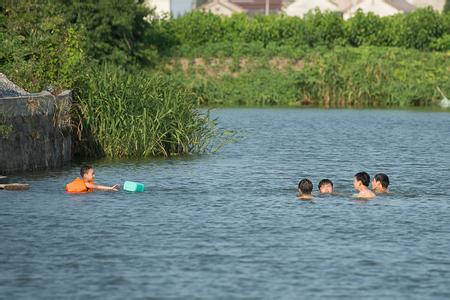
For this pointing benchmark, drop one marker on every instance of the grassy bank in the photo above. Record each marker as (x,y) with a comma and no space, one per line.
(342,77)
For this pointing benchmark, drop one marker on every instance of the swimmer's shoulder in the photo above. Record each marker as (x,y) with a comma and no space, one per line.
(305,198)
(365,195)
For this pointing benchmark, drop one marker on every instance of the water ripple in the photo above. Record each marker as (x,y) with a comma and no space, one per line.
(229,225)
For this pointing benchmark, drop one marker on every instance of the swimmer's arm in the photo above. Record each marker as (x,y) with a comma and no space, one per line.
(102,187)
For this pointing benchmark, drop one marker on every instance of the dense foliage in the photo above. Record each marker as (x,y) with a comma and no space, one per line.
(344,77)
(421,29)
(38,46)
(119,111)
(51,41)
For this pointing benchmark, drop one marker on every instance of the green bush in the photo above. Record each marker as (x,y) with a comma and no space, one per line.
(198,28)
(446,21)
(442,43)
(38,47)
(392,31)
(421,28)
(323,29)
(417,30)
(50,42)
(116,30)
(364,29)
(292,32)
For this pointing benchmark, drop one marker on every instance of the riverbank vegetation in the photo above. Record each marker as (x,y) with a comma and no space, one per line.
(319,60)
(343,77)
(423,29)
(138,80)
(101,50)
(123,114)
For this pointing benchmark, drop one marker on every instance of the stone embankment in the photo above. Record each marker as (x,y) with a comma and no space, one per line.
(35,129)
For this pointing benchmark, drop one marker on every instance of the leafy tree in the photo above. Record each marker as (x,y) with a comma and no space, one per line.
(323,28)
(422,27)
(364,29)
(38,46)
(197,28)
(116,31)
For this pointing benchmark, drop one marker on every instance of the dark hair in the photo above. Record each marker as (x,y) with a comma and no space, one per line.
(85,169)
(363,177)
(324,182)
(305,186)
(383,179)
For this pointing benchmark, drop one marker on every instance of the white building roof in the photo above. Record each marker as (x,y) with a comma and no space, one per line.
(301,7)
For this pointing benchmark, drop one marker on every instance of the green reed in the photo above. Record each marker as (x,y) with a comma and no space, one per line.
(120,114)
(374,76)
(342,77)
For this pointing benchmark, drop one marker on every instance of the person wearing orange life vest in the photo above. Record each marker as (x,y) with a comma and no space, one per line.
(86,184)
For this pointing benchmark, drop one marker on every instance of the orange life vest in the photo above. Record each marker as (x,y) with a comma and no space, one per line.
(77,186)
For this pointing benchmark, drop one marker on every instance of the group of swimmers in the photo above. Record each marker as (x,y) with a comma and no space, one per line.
(361,181)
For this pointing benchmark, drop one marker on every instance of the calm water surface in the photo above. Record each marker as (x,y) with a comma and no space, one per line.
(229,225)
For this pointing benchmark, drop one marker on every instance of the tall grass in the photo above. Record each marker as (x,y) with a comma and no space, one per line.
(343,77)
(254,87)
(374,76)
(138,115)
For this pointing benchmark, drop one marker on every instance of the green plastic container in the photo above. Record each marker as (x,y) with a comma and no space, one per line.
(133,186)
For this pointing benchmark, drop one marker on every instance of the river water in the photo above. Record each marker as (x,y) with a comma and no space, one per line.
(229,225)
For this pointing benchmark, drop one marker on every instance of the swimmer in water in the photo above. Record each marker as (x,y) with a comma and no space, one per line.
(85,183)
(361,183)
(380,183)
(305,188)
(326,186)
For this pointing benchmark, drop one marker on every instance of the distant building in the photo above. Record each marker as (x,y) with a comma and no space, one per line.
(347,8)
(343,4)
(380,7)
(221,7)
(435,4)
(300,8)
(255,7)
(250,7)
(170,8)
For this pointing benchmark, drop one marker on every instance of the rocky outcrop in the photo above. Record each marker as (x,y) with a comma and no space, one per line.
(9,89)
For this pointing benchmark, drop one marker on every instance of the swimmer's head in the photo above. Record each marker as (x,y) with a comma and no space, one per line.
(87,173)
(361,179)
(326,186)
(380,182)
(305,186)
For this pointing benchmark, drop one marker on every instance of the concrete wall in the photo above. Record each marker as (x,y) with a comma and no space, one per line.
(35,132)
